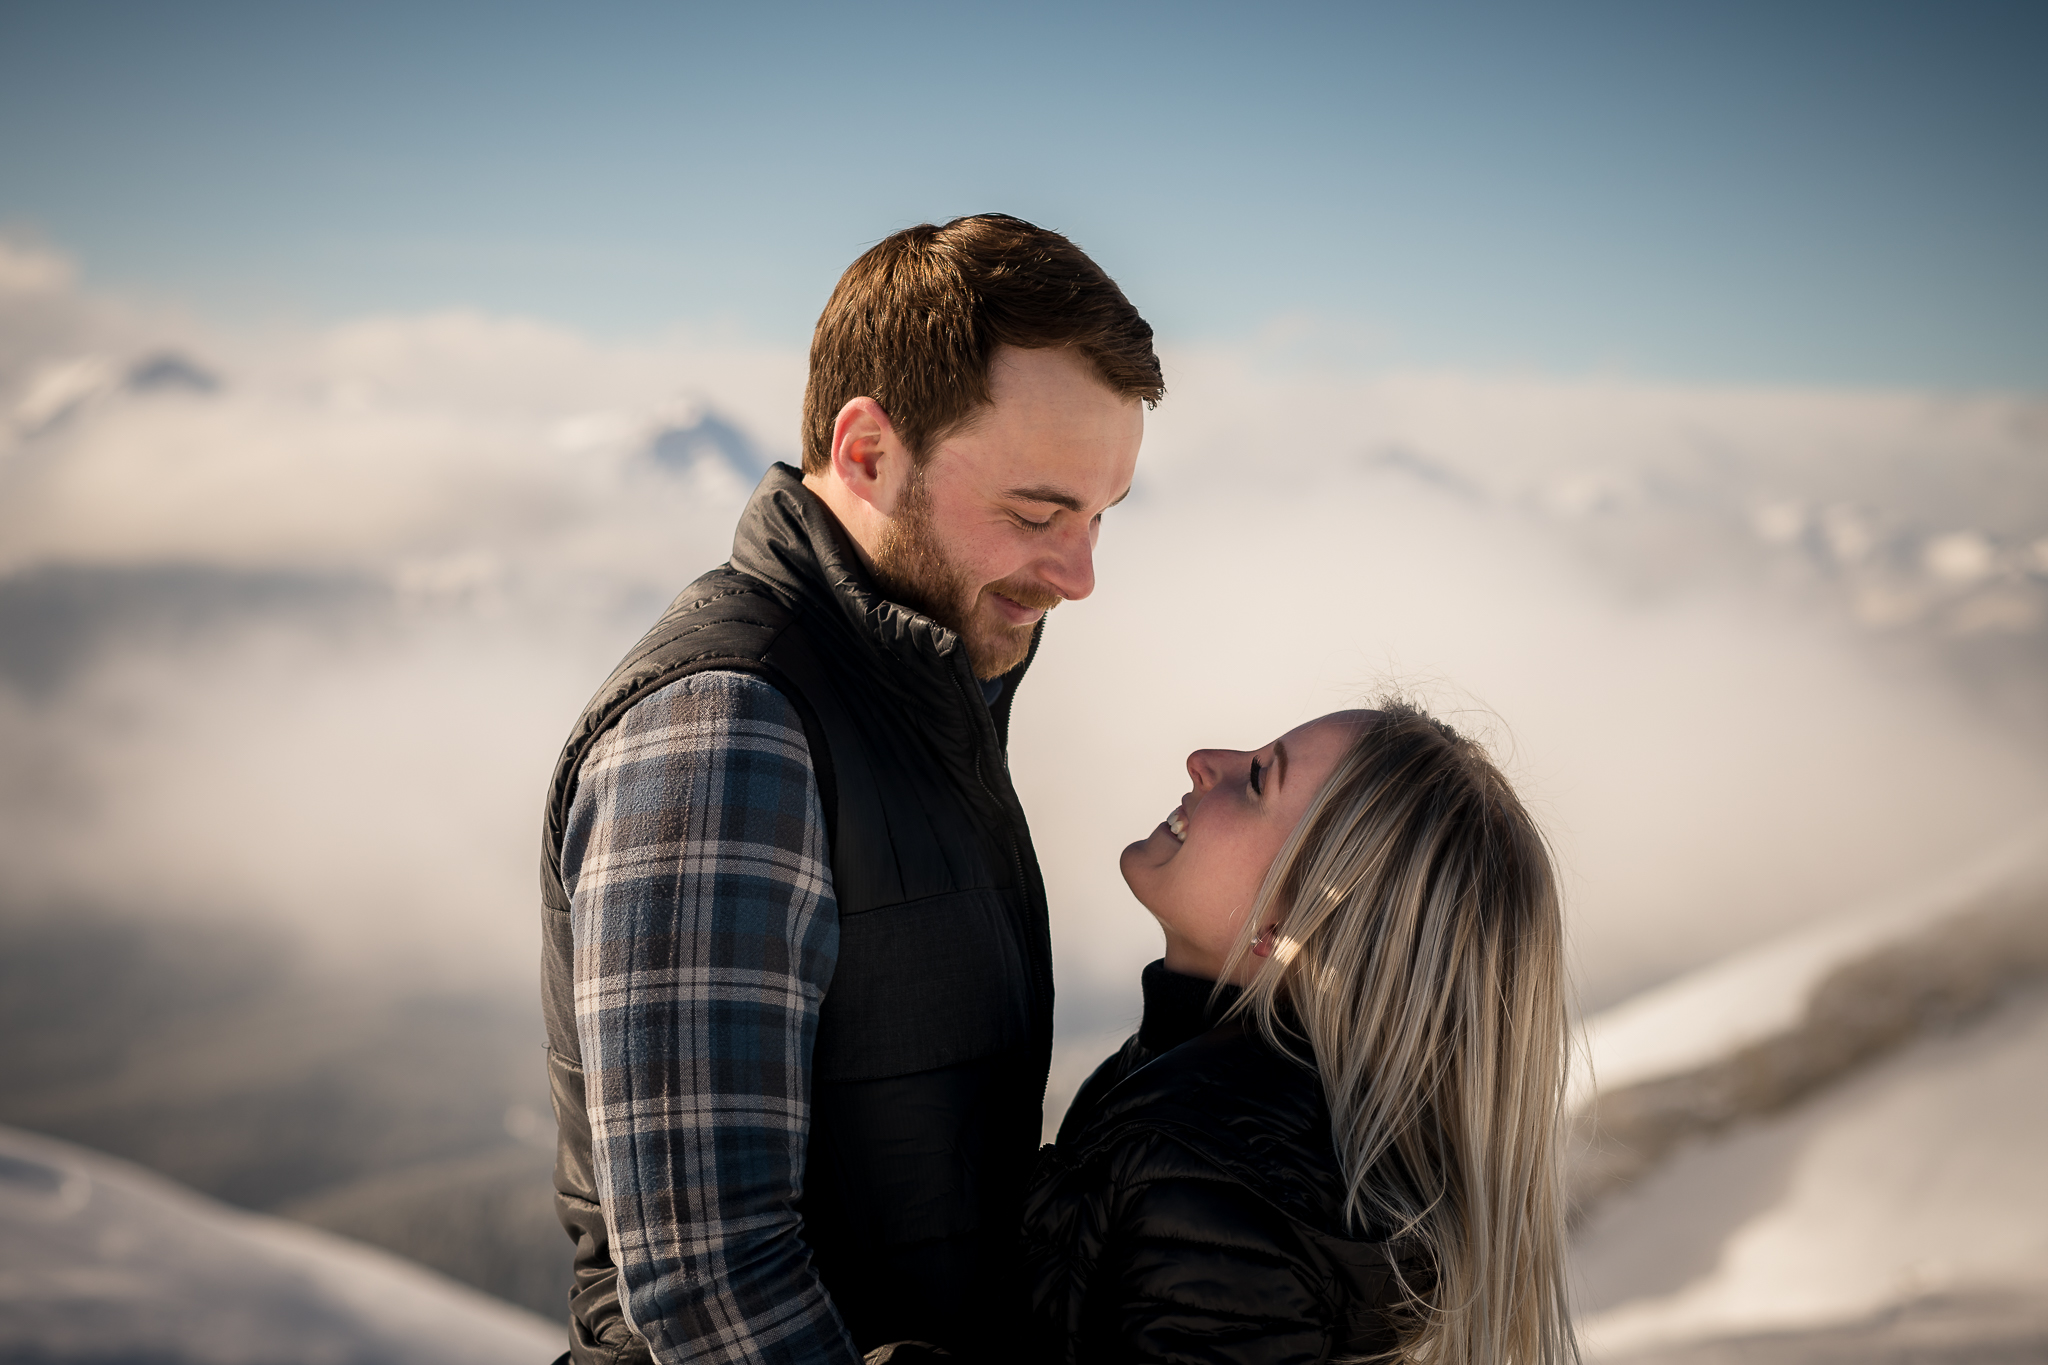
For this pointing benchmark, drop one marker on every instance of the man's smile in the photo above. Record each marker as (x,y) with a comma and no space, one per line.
(1016,612)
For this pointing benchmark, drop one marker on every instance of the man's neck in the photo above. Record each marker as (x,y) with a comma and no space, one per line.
(861,522)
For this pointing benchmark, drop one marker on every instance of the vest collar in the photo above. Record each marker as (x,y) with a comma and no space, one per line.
(790,540)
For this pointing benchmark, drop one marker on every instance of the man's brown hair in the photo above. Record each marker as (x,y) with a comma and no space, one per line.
(915,321)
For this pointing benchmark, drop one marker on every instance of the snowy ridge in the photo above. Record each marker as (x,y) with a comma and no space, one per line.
(1762,1029)
(101,1261)
(1897,1217)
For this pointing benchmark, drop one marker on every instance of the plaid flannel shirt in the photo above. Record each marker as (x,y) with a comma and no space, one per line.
(705,934)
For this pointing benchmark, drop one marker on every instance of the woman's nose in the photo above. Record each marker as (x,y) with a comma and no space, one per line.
(1203,765)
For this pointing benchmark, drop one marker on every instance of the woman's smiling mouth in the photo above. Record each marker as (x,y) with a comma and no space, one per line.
(1177,825)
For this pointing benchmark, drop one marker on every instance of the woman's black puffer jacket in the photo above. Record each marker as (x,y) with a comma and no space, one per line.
(1190,1211)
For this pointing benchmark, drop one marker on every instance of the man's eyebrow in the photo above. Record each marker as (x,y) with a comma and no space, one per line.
(1045,492)
(1279,764)
(1058,497)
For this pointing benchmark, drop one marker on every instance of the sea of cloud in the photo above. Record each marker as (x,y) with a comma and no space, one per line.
(293,620)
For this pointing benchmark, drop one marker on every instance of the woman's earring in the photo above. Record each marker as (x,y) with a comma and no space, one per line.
(1260,947)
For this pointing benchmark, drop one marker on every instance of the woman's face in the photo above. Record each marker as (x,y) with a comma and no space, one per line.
(1200,870)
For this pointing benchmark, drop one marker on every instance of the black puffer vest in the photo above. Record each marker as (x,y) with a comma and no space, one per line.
(935,1035)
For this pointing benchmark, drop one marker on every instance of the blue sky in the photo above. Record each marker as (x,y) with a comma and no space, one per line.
(1779,193)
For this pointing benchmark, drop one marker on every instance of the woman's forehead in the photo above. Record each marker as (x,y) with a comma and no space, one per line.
(1336,725)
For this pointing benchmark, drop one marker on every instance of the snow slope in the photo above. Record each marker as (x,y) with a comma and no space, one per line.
(1831,1147)
(101,1261)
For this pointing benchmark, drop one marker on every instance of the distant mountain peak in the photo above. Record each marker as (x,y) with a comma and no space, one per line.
(169,370)
(696,432)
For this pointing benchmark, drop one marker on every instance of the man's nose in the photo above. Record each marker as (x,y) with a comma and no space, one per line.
(1071,572)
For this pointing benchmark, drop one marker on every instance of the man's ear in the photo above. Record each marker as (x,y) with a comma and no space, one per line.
(867,459)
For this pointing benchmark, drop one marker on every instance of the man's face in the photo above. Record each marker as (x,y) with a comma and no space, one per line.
(999,524)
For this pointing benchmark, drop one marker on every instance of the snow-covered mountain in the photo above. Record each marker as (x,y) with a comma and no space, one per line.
(1830,1147)
(102,1263)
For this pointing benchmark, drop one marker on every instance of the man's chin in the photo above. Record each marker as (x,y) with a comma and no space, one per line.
(994,651)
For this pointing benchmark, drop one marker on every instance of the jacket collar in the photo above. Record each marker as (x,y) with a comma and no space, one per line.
(1178,1008)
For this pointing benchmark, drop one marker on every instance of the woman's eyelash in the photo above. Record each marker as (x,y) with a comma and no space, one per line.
(1258,787)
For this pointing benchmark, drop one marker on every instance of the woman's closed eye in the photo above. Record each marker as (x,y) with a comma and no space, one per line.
(1258,779)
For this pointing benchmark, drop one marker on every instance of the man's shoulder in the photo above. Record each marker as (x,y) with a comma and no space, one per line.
(710,709)
(726,595)
(702,662)
(714,740)
(725,614)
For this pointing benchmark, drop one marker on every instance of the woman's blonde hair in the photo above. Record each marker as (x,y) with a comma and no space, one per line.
(1419,949)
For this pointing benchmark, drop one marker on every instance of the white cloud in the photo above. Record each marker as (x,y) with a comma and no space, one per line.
(1962,557)
(28,270)
(1720,749)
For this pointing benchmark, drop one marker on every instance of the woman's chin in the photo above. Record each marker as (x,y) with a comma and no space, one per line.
(1152,850)
(1139,861)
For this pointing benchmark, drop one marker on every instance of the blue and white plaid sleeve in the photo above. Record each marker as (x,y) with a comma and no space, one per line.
(706,933)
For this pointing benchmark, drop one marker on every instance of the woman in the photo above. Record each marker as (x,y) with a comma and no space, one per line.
(1334,1135)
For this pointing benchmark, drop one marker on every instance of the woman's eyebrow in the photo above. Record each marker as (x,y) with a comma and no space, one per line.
(1279,764)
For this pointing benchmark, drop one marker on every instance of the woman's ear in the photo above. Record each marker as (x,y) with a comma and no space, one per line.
(1262,946)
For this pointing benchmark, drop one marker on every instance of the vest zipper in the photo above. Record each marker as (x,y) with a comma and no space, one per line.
(1041,970)
(1016,855)
(981,777)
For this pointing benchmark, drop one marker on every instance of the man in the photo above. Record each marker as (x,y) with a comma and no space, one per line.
(797,969)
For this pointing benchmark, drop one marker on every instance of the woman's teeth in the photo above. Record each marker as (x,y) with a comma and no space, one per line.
(1177,825)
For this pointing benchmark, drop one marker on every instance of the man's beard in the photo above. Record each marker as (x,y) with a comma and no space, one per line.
(911,567)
